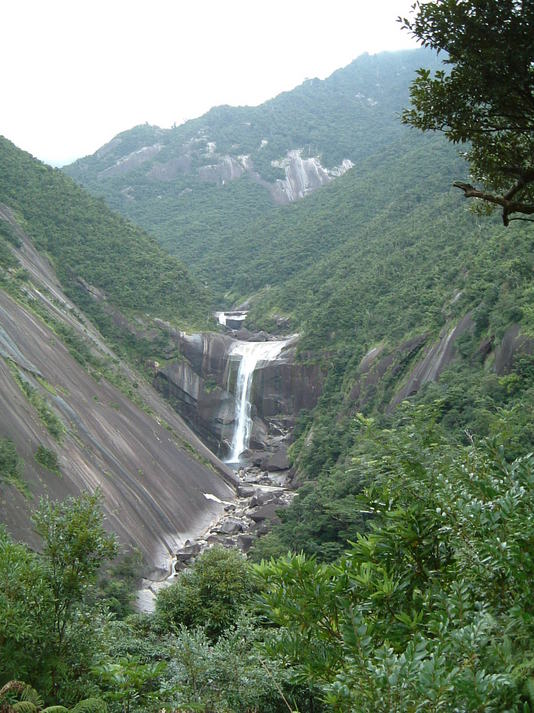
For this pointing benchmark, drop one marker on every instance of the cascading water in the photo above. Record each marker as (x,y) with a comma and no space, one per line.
(251,353)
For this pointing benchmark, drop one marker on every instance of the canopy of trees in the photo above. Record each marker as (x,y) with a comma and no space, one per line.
(486,100)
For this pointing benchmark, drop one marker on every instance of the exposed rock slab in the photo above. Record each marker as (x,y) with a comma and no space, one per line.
(513,344)
(437,357)
(153,471)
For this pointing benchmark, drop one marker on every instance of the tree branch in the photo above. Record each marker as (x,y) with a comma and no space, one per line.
(507,205)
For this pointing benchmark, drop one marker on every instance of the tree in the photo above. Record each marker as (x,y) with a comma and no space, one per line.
(431,608)
(486,100)
(44,635)
(75,545)
(210,595)
(25,606)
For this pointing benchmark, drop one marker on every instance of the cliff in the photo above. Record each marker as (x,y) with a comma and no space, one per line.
(80,420)
(201,386)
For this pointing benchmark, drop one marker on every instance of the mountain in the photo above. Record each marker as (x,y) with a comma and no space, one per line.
(397,289)
(199,185)
(74,416)
(92,246)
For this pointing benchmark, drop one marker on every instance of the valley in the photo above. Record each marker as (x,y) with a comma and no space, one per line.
(285,373)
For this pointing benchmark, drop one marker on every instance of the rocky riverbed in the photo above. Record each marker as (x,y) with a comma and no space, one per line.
(260,494)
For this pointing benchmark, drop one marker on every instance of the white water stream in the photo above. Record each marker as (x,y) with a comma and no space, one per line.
(251,353)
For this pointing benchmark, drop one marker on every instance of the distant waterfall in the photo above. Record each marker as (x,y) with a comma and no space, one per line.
(251,353)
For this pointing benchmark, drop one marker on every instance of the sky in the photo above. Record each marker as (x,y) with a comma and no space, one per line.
(77,72)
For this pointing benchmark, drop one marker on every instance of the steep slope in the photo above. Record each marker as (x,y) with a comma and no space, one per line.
(90,245)
(73,416)
(196,185)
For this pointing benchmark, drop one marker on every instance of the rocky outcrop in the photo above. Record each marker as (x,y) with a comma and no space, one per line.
(201,387)
(303,176)
(285,386)
(199,157)
(437,357)
(154,473)
(376,367)
(386,377)
(132,160)
(405,368)
(513,345)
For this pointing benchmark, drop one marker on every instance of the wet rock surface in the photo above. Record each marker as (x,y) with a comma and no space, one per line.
(200,384)
(260,495)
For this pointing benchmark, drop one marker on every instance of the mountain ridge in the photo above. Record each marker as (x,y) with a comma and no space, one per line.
(202,181)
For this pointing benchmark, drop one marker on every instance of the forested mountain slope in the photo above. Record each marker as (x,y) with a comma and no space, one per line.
(420,300)
(74,417)
(92,246)
(198,185)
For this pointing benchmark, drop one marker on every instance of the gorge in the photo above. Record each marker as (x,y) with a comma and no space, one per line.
(328,487)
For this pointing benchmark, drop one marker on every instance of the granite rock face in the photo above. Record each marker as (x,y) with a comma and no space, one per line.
(437,357)
(160,484)
(201,387)
(513,345)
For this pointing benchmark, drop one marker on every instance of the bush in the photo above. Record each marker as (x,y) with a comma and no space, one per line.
(48,458)
(210,595)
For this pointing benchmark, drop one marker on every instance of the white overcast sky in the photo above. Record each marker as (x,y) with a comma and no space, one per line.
(77,72)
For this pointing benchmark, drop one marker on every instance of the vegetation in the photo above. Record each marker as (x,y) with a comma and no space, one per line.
(11,466)
(486,100)
(52,422)
(18,697)
(209,596)
(428,609)
(60,638)
(46,637)
(47,457)
(400,577)
(91,246)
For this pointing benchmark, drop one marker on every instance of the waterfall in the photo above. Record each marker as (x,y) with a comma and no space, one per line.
(251,353)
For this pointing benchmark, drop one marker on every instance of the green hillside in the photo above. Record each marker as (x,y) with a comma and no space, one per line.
(175,182)
(87,242)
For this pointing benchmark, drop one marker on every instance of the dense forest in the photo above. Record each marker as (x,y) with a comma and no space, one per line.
(400,577)
(160,179)
(87,241)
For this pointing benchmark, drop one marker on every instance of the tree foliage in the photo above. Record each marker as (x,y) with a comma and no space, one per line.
(75,545)
(45,635)
(90,245)
(210,595)
(430,609)
(486,98)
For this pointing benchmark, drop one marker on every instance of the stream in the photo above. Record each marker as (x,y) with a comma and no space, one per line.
(259,494)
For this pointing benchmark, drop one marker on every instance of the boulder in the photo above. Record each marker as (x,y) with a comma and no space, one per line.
(262,497)
(231,527)
(266,512)
(275,461)
(244,542)
(245,491)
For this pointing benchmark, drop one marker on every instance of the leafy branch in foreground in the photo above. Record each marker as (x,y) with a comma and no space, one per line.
(486,100)
(431,608)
